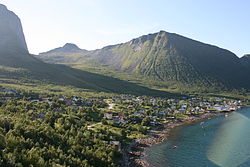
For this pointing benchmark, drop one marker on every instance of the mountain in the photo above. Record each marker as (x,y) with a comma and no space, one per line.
(13,47)
(170,57)
(68,53)
(18,66)
(11,32)
(67,48)
(246,61)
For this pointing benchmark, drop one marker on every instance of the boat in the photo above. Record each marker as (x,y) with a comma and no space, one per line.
(173,147)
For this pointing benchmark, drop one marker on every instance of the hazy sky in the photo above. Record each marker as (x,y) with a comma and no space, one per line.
(92,24)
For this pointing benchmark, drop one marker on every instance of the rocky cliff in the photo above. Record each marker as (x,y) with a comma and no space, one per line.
(11,32)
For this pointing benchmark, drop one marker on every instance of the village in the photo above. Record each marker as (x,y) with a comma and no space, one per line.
(128,109)
(132,109)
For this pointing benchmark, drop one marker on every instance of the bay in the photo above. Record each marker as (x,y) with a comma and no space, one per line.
(217,142)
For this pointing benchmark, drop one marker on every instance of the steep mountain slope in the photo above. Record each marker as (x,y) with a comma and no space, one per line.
(17,64)
(171,58)
(11,31)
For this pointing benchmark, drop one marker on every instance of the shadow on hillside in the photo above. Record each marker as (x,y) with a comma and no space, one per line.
(98,82)
(64,75)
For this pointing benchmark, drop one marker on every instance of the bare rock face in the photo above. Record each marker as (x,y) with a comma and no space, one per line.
(11,32)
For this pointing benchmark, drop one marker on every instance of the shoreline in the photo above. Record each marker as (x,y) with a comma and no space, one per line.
(133,154)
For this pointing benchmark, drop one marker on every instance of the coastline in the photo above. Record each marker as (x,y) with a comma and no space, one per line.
(132,155)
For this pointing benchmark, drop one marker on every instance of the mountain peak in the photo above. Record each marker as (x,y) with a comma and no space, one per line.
(149,37)
(71,46)
(67,48)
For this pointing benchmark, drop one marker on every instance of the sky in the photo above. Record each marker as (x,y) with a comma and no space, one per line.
(93,24)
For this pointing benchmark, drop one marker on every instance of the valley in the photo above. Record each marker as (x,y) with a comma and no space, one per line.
(107,107)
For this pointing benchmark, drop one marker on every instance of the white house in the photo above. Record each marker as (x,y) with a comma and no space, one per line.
(117,144)
(108,115)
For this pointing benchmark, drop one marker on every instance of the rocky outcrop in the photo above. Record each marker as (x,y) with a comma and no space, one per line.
(11,32)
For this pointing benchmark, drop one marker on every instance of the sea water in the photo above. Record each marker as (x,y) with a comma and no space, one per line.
(222,141)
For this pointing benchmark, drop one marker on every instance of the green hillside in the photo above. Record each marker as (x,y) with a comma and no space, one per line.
(26,68)
(166,58)
(18,67)
(171,57)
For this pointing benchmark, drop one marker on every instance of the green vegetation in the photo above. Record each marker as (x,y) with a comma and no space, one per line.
(23,68)
(92,130)
(28,138)
(163,61)
(85,115)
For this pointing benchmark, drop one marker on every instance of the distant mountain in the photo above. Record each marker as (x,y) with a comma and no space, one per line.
(67,48)
(172,58)
(16,64)
(68,53)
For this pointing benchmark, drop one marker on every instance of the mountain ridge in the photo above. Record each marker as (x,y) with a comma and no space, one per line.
(162,56)
(18,66)
(172,57)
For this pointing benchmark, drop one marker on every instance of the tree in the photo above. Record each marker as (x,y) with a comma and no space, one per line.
(145,121)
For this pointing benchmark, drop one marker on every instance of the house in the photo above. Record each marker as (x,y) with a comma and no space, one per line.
(108,115)
(173,107)
(75,98)
(218,107)
(35,100)
(162,112)
(130,107)
(120,120)
(138,114)
(41,116)
(42,96)
(61,98)
(182,101)
(182,110)
(116,144)
(74,107)
(169,118)
(90,127)
(142,111)
(153,123)
(184,106)
(49,101)
(69,102)
(10,91)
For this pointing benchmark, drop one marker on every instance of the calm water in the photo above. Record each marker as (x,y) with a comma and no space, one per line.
(218,142)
